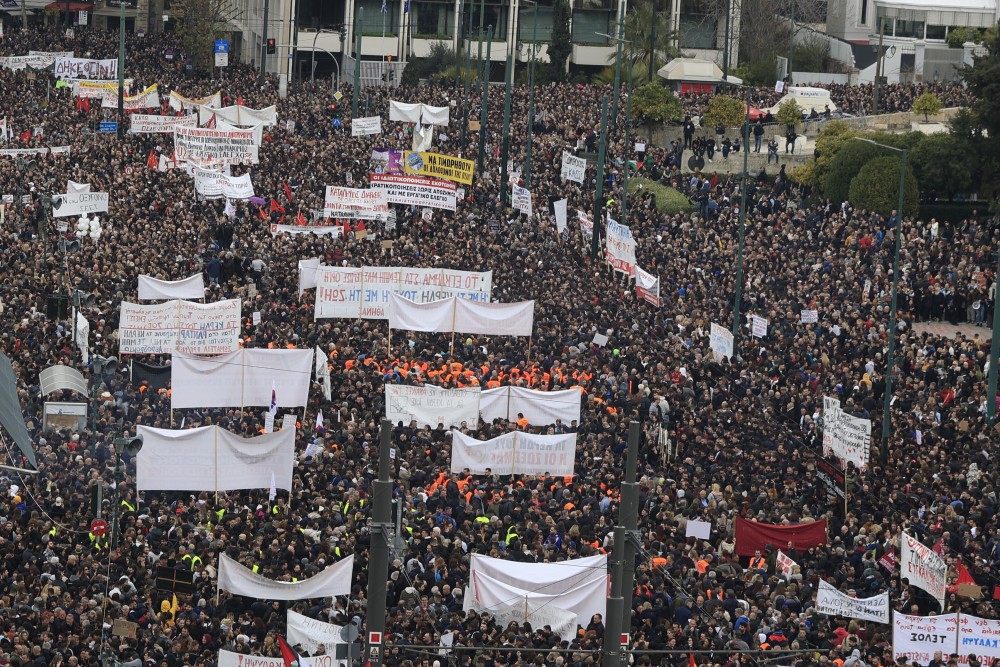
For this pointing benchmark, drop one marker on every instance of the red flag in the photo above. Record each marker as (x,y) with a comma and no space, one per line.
(996,592)
(964,577)
(152,160)
(714,182)
(938,547)
(300,219)
(239,101)
(276,207)
(691,661)
(288,192)
(82,104)
(288,654)
(26,136)
(260,212)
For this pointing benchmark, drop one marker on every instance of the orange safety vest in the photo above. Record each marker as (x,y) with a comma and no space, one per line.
(758,563)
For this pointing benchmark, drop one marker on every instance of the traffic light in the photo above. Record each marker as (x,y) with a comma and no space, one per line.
(271,46)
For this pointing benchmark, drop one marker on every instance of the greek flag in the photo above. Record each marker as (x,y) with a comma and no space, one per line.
(385,9)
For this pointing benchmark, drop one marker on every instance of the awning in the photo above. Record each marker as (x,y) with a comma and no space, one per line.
(57,6)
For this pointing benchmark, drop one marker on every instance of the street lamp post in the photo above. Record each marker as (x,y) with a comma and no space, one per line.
(625,150)
(357,61)
(484,111)
(890,361)
(505,147)
(620,38)
(991,397)
(744,185)
(599,196)
(531,99)
(121,71)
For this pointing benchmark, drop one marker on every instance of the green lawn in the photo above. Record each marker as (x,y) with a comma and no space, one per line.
(668,200)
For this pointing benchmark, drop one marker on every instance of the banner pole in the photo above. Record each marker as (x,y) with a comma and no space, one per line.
(216,448)
(845,494)
(454,317)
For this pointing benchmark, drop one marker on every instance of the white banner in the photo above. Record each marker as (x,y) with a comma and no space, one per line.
(758,326)
(88,88)
(150,124)
(721,341)
(78,203)
(213,459)
(216,185)
(242,378)
(18,152)
(422,191)
(362,127)
(809,316)
(430,406)
(147,99)
(364,292)
(310,634)
(180,103)
(559,210)
(620,248)
(784,565)
(230,659)
(73,187)
(239,115)
(319,230)
(34,59)
(86,68)
(355,203)
(434,115)
(520,199)
(238,580)
(573,168)
(461,316)
(540,408)
(515,453)
(404,112)
(845,436)
(832,602)
(323,372)
(647,286)
(192,287)
(206,148)
(179,326)
(562,622)
(918,638)
(980,636)
(307,273)
(258,130)
(923,567)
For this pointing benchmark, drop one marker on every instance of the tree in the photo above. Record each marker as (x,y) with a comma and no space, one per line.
(789,113)
(937,169)
(928,104)
(843,167)
(440,59)
(645,41)
(729,111)
(561,42)
(983,82)
(876,187)
(199,24)
(654,104)
(958,36)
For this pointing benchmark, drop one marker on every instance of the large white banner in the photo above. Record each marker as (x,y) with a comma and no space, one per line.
(515,453)
(310,634)
(923,567)
(179,326)
(580,585)
(832,602)
(362,127)
(620,248)
(647,286)
(192,287)
(213,459)
(147,99)
(349,292)
(34,59)
(180,103)
(520,199)
(242,378)
(239,115)
(86,68)
(91,89)
(307,273)
(332,581)
(845,436)
(216,185)
(573,168)
(461,316)
(205,148)
(540,408)
(422,191)
(355,203)
(42,150)
(151,124)
(980,636)
(323,372)
(720,341)
(79,203)
(918,638)
(230,659)
(430,406)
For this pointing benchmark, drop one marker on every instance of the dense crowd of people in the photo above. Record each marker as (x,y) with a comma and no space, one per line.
(721,438)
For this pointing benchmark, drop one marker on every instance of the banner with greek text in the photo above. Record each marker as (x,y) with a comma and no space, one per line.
(86,68)
(147,99)
(34,60)
(620,248)
(520,199)
(184,326)
(151,124)
(355,203)
(784,565)
(79,203)
(515,453)
(18,152)
(720,341)
(386,161)
(442,166)
(923,567)
(832,602)
(180,103)
(573,168)
(980,636)
(845,436)
(346,292)
(230,659)
(362,127)
(89,89)
(310,634)
(647,286)
(216,185)
(416,190)
(918,638)
(430,406)
(205,147)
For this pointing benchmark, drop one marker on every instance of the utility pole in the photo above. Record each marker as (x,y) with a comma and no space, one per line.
(725,46)
(293,53)
(484,111)
(465,102)
(618,63)
(121,74)
(359,28)
(378,564)
(24,16)
(625,152)
(991,397)
(531,100)
(878,68)
(599,197)
(505,147)
(630,519)
(263,43)
(652,45)
(744,181)
(482,18)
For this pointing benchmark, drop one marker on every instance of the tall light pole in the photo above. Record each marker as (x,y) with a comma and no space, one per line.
(599,195)
(531,99)
(505,147)
(263,44)
(358,29)
(484,110)
(625,150)
(991,398)
(890,361)
(619,37)
(121,72)
(744,180)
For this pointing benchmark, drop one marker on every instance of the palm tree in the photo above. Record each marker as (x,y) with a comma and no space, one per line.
(646,40)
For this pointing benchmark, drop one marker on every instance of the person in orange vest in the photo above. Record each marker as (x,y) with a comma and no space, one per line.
(758,563)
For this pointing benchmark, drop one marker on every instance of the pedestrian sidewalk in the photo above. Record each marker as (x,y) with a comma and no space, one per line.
(803,154)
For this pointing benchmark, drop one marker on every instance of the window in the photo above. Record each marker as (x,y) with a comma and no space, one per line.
(588,22)
(526,24)
(494,15)
(697,31)
(375,20)
(936,32)
(864,12)
(911,29)
(433,20)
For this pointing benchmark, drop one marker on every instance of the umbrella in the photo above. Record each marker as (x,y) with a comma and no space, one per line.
(257,200)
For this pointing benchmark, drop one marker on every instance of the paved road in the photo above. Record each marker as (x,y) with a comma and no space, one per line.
(951,330)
